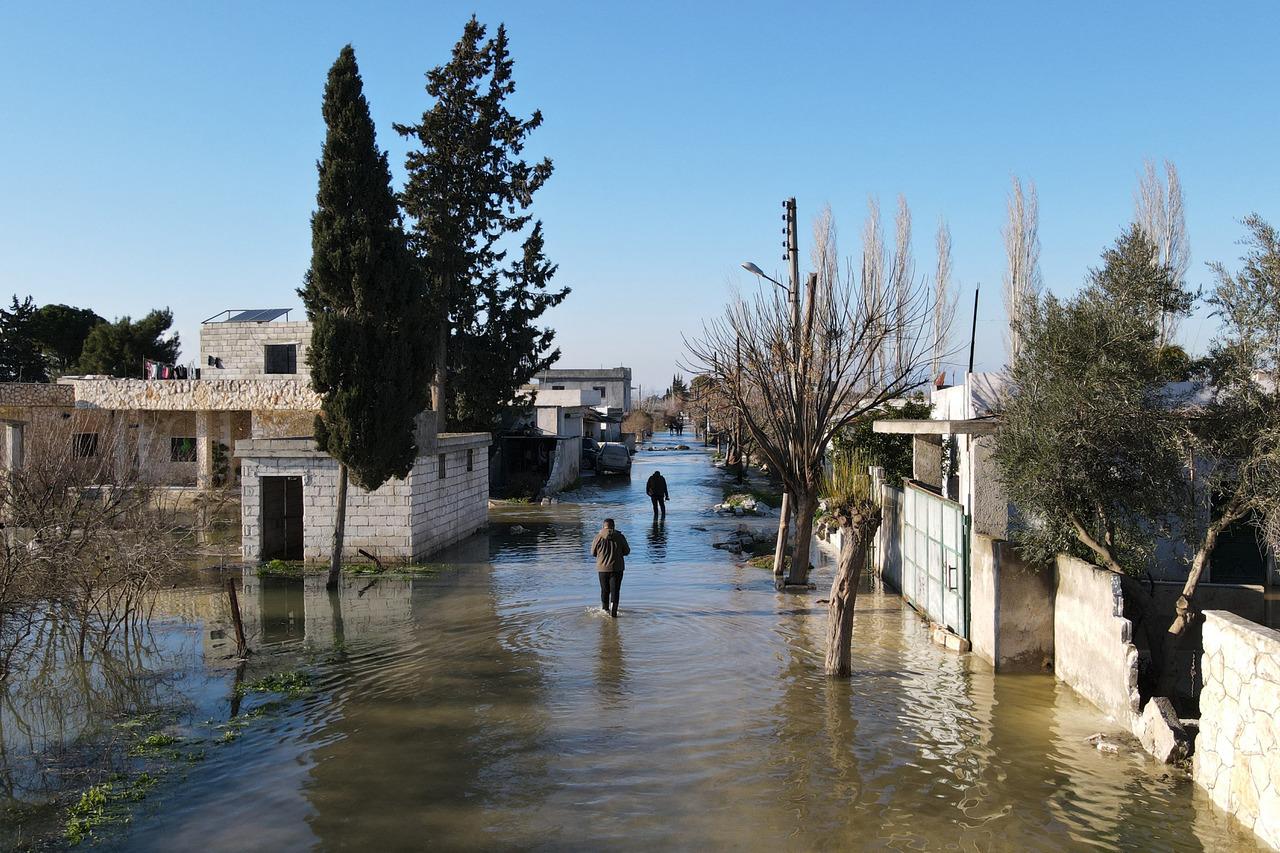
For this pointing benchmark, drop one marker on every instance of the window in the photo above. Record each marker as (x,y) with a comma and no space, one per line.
(471,459)
(182,449)
(557,387)
(84,445)
(280,358)
(440,461)
(599,388)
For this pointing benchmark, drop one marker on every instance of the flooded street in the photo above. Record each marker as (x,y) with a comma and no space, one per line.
(491,705)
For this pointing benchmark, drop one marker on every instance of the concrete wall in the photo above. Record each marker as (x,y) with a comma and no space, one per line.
(1011,607)
(1093,645)
(240,347)
(449,510)
(1237,756)
(566,468)
(546,396)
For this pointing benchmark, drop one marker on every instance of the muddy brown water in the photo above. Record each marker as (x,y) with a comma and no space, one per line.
(490,705)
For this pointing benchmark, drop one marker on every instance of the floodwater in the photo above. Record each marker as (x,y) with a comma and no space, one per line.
(492,705)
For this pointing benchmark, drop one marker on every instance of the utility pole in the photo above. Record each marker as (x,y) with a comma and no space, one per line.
(792,255)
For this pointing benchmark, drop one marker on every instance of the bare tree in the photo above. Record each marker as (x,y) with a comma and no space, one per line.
(791,411)
(901,273)
(873,262)
(1159,214)
(86,539)
(944,301)
(1022,280)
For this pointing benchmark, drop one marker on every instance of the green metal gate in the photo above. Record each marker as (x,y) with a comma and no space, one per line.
(935,558)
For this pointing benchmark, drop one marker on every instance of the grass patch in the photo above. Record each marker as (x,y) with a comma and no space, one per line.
(281,569)
(105,805)
(292,684)
(154,744)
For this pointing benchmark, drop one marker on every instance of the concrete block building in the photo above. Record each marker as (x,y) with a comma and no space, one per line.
(289,492)
(613,384)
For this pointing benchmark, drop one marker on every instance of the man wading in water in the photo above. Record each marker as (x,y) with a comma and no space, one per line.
(656,489)
(609,548)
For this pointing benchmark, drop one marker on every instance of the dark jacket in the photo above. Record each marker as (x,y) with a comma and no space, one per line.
(656,487)
(609,548)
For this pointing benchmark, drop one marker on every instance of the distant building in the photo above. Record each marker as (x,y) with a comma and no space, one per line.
(613,384)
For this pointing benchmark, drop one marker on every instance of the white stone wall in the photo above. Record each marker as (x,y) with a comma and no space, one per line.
(1237,756)
(449,510)
(240,347)
(289,393)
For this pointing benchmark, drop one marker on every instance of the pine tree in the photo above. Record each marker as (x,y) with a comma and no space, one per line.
(20,356)
(363,295)
(467,189)
(119,348)
(505,348)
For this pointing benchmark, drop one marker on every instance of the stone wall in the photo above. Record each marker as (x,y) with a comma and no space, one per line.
(283,424)
(1237,757)
(1092,641)
(189,395)
(1011,607)
(240,347)
(35,394)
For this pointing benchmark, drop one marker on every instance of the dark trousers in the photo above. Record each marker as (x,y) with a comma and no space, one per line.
(610,583)
(659,505)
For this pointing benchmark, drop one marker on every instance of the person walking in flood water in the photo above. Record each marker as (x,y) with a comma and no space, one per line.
(610,549)
(656,489)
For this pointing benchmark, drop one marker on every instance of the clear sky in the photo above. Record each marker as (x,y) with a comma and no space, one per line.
(164,154)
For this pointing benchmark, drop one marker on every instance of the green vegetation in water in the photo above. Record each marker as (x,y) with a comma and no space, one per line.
(281,569)
(104,805)
(156,743)
(293,684)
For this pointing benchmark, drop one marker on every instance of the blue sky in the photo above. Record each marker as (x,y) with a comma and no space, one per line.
(164,154)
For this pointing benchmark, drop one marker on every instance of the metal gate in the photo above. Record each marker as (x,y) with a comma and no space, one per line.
(935,558)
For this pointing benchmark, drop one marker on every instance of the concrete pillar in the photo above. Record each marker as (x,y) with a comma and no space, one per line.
(14,445)
(206,435)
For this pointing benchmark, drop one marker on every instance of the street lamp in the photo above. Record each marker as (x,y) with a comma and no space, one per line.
(755,270)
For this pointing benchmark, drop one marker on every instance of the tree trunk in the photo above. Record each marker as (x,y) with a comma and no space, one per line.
(780,549)
(339,529)
(438,382)
(806,505)
(854,540)
(1182,614)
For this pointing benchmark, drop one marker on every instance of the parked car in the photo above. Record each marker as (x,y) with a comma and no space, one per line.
(613,457)
(590,447)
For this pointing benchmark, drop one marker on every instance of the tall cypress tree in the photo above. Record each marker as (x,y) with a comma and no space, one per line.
(368,356)
(467,189)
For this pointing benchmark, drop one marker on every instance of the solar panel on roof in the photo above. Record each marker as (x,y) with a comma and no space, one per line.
(257,315)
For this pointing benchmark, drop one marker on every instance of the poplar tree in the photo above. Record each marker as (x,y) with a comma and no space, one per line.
(368,358)
(467,189)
